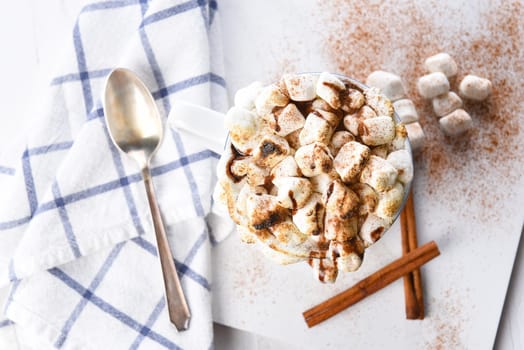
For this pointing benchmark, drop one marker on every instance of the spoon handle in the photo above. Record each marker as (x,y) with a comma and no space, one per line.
(176,302)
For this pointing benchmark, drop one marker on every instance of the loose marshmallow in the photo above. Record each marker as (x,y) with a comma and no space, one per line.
(301,87)
(347,254)
(286,120)
(379,174)
(446,103)
(432,85)
(416,136)
(441,62)
(309,218)
(367,196)
(372,229)
(378,102)
(351,100)
(389,84)
(271,150)
(456,123)
(242,127)
(314,159)
(264,211)
(316,129)
(339,139)
(402,161)
(475,88)
(321,182)
(389,202)
(350,159)
(406,110)
(287,167)
(293,192)
(377,131)
(245,97)
(328,88)
(270,97)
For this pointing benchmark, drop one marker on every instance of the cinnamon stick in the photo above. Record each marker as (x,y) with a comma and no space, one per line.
(371,284)
(413,293)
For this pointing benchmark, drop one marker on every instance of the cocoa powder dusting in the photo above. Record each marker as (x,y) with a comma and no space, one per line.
(398,37)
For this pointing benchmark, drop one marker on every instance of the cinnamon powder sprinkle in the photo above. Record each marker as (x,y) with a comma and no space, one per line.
(485,40)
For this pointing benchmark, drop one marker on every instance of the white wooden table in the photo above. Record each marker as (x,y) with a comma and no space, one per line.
(31,33)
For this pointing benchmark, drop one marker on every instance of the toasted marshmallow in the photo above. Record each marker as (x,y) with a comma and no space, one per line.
(324,269)
(372,229)
(368,198)
(475,88)
(416,136)
(293,192)
(446,103)
(309,218)
(287,167)
(389,202)
(336,228)
(378,102)
(441,62)
(316,129)
(245,97)
(352,121)
(288,233)
(246,235)
(320,104)
(401,135)
(286,120)
(379,174)
(389,84)
(377,131)
(432,85)
(406,110)
(348,255)
(322,181)
(243,128)
(270,151)
(280,257)
(351,100)
(402,161)
(256,176)
(264,211)
(301,87)
(241,201)
(268,98)
(314,159)
(456,123)
(339,139)
(328,88)
(293,139)
(350,159)
(380,151)
(340,200)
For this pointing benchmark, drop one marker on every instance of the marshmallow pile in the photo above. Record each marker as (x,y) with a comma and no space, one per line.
(391,86)
(447,105)
(315,171)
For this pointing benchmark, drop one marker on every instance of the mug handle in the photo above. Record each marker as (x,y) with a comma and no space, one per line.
(205,124)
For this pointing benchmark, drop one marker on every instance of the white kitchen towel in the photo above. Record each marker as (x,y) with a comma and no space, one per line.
(78,259)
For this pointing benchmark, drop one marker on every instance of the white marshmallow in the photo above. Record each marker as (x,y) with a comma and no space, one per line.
(351,100)
(242,126)
(402,161)
(416,136)
(432,85)
(286,120)
(314,159)
(268,98)
(377,131)
(389,202)
(446,103)
(379,174)
(456,123)
(322,181)
(475,88)
(287,167)
(245,97)
(372,229)
(339,139)
(441,62)
(301,87)
(270,151)
(406,110)
(293,192)
(316,129)
(328,88)
(309,218)
(389,84)
(350,159)
(378,102)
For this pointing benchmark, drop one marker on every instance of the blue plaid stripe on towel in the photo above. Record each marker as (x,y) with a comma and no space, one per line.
(78,259)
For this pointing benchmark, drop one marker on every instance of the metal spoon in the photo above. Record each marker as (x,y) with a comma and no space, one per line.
(136,129)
